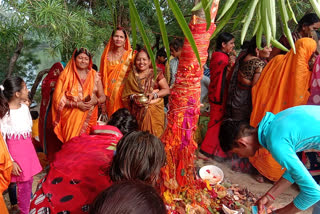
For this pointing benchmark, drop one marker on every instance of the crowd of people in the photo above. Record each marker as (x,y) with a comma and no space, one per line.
(92,166)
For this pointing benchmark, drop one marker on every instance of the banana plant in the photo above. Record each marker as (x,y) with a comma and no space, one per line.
(265,18)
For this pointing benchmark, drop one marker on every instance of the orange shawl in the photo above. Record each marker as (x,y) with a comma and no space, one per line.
(284,83)
(5,173)
(71,122)
(113,75)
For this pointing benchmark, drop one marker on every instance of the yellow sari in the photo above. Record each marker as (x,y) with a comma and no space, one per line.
(283,83)
(5,173)
(151,117)
(113,74)
(71,122)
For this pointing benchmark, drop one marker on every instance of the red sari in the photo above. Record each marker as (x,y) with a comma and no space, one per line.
(46,135)
(77,174)
(217,98)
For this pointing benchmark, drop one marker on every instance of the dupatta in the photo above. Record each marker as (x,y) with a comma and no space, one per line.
(70,122)
(283,83)
(113,75)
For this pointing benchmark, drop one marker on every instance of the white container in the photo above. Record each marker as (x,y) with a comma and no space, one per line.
(211,173)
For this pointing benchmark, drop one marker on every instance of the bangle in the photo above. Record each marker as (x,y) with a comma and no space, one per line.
(271,196)
(76,104)
(155,95)
(71,104)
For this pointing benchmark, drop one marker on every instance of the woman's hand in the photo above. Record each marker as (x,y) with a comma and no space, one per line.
(263,202)
(103,108)
(93,101)
(16,170)
(84,106)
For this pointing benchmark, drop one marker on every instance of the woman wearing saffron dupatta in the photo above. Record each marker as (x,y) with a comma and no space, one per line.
(220,72)
(284,83)
(76,97)
(115,62)
(150,116)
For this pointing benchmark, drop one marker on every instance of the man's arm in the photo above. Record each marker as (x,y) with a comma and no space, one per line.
(296,172)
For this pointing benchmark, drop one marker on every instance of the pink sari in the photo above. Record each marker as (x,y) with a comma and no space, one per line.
(314,98)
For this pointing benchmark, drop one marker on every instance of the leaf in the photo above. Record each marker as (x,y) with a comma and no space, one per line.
(240,14)
(226,8)
(207,13)
(197,7)
(225,19)
(162,28)
(291,13)
(133,28)
(184,26)
(144,35)
(277,44)
(316,6)
(248,19)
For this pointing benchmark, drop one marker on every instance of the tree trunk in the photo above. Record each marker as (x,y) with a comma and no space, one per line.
(37,82)
(15,56)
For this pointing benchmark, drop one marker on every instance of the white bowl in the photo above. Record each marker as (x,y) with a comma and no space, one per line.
(211,173)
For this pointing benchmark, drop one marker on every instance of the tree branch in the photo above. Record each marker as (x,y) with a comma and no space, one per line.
(37,82)
(15,56)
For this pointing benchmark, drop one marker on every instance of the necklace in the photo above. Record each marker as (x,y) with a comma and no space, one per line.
(115,55)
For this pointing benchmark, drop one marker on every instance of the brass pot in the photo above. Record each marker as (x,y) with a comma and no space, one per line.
(141,99)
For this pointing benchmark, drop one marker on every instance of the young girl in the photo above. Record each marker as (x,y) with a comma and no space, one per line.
(15,127)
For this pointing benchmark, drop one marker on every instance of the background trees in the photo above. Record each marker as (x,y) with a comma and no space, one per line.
(32,31)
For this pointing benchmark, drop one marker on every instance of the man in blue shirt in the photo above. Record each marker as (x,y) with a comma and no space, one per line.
(292,130)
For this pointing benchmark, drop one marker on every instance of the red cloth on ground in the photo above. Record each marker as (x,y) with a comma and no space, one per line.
(52,142)
(217,98)
(78,174)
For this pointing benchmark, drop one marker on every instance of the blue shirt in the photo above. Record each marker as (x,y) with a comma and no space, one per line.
(293,130)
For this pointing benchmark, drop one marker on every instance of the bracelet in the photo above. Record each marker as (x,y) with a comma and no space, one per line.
(155,95)
(76,104)
(71,104)
(271,196)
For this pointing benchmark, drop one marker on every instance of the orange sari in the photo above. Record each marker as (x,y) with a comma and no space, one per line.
(5,173)
(113,74)
(284,83)
(71,122)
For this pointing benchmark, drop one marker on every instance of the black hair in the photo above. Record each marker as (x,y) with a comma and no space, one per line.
(95,67)
(176,44)
(252,45)
(162,52)
(223,37)
(307,20)
(11,85)
(121,29)
(140,156)
(231,130)
(82,50)
(34,115)
(129,197)
(124,121)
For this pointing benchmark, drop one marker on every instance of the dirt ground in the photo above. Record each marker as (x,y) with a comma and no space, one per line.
(244,180)
(248,181)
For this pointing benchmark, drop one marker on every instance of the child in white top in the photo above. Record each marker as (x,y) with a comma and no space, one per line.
(15,126)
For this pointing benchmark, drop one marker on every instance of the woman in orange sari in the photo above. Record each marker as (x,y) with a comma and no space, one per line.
(5,158)
(115,62)
(76,97)
(150,115)
(5,173)
(284,83)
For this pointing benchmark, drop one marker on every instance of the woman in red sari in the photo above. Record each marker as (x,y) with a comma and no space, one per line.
(220,73)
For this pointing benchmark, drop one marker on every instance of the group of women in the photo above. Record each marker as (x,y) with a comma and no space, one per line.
(257,82)
(124,77)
